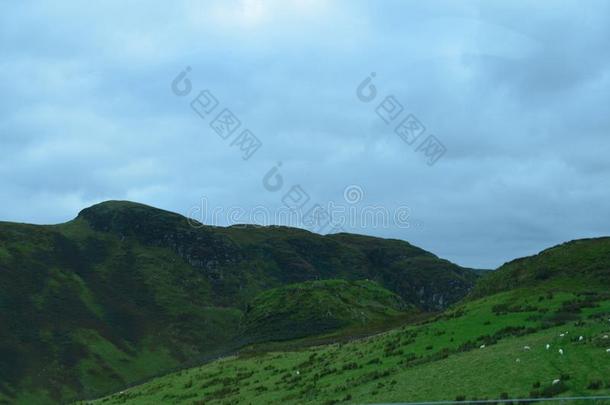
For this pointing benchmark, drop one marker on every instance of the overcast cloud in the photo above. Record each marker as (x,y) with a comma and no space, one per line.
(518,92)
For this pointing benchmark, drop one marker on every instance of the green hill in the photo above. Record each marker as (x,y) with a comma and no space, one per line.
(538,327)
(125,292)
(584,261)
(319,307)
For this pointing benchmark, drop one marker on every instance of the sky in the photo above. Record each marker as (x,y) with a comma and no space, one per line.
(505,107)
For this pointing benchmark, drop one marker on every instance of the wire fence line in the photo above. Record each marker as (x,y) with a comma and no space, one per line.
(561,400)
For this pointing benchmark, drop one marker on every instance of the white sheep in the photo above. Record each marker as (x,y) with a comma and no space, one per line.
(562,334)
(482,347)
(580,338)
(298,372)
(526,348)
(556,381)
(548,346)
(607,350)
(605,336)
(518,360)
(561,351)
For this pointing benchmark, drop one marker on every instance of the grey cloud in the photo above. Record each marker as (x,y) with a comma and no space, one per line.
(517,91)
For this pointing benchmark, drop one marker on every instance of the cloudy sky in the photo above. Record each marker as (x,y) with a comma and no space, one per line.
(517,93)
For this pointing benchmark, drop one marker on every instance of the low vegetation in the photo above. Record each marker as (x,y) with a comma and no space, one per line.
(471,352)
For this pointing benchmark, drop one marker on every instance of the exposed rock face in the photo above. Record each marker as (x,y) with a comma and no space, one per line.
(199,246)
(288,255)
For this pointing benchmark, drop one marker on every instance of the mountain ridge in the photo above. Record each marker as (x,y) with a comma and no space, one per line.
(125,291)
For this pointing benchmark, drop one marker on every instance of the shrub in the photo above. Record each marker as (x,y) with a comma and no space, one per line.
(350,366)
(554,389)
(595,385)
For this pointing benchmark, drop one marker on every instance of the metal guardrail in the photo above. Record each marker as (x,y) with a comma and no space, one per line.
(561,400)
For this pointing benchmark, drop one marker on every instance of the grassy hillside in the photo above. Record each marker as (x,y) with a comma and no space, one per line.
(90,313)
(319,307)
(536,320)
(584,261)
(478,350)
(126,291)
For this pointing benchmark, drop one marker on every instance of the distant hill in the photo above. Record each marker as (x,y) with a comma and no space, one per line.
(126,291)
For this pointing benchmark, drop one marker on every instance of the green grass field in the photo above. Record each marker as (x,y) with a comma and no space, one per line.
(440,359)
